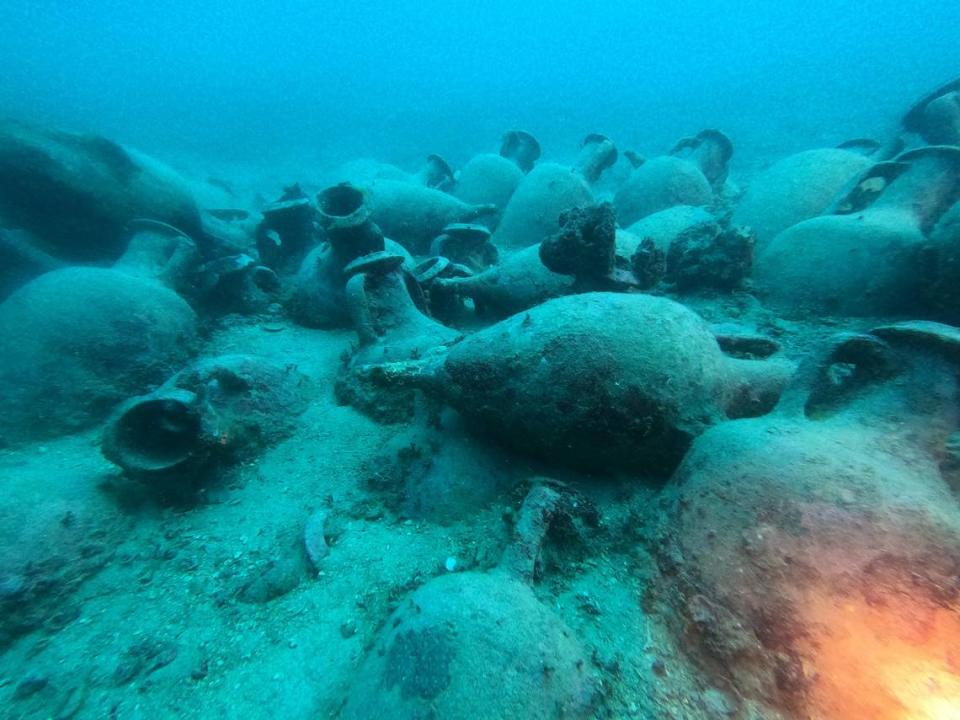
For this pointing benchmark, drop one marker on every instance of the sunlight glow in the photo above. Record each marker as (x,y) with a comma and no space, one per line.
(886,663)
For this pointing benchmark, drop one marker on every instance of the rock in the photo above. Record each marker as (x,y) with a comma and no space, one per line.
(705,257)
(649,264)
(585,244)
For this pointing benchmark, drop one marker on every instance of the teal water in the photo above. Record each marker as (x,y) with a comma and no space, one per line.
(401,79)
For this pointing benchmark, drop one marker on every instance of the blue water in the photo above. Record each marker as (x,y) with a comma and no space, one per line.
(246,81)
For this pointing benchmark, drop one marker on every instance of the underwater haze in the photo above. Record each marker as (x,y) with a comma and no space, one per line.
(307,82)
(489,361)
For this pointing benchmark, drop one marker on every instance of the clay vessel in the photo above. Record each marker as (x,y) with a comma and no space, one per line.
(602,381)
(318,299)
(658,184)
(413,215)
(219,410)
(521,148)
(865,259)
(434,654)
(797,188)
(810,551)
(76,194)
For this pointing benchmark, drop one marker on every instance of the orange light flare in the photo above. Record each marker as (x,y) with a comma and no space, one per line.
(896,661)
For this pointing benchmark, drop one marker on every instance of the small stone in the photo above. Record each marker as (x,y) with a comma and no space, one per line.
(144,657)
(718,704)
(450,564)
(31,685)
(200,672)
(273,580)
(588,604)
(348,629)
